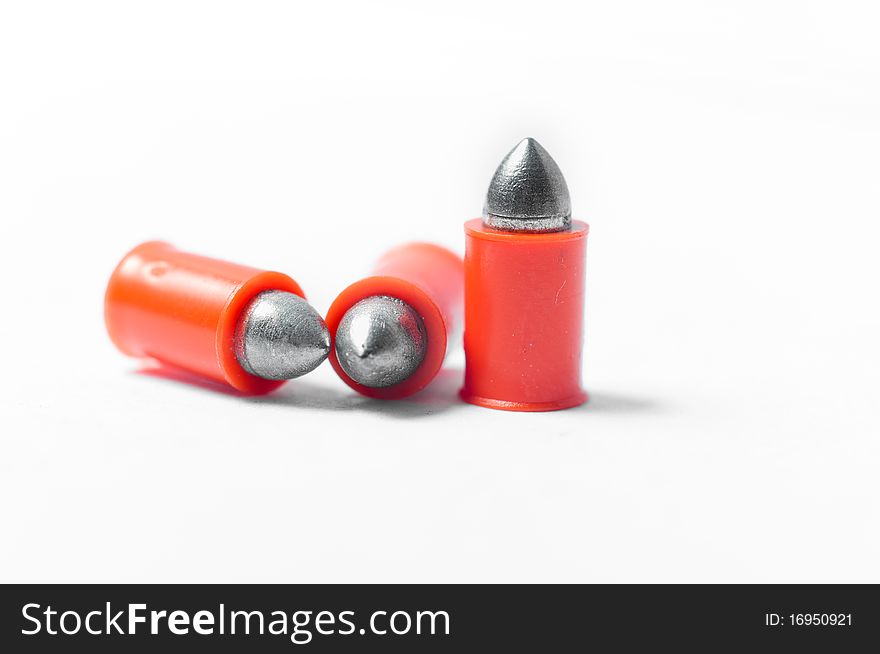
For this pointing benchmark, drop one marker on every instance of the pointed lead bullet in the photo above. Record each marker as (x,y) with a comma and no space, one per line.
(528,192)
(280,336)
(380,341)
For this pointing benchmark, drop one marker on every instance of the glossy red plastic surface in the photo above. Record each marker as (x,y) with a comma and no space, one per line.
(524,314)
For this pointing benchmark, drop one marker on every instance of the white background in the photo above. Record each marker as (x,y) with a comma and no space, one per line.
(726,155)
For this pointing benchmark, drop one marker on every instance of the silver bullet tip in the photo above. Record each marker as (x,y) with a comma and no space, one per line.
(528,192)
(380,341)
(280,336)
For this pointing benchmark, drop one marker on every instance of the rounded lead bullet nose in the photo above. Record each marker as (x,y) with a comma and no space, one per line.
(380,341)
(280,336)
(528,192)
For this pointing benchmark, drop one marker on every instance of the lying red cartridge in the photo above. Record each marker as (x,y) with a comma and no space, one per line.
(249,328)
(391,330)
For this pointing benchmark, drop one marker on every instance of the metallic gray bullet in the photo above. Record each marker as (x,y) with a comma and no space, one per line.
(280,336)
(528,192)
(380,341)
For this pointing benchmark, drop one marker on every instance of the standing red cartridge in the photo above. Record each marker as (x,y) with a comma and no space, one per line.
(391,330)
(249,328)
(524,289)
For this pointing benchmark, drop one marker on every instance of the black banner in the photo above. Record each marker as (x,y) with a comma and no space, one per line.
(419,618)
